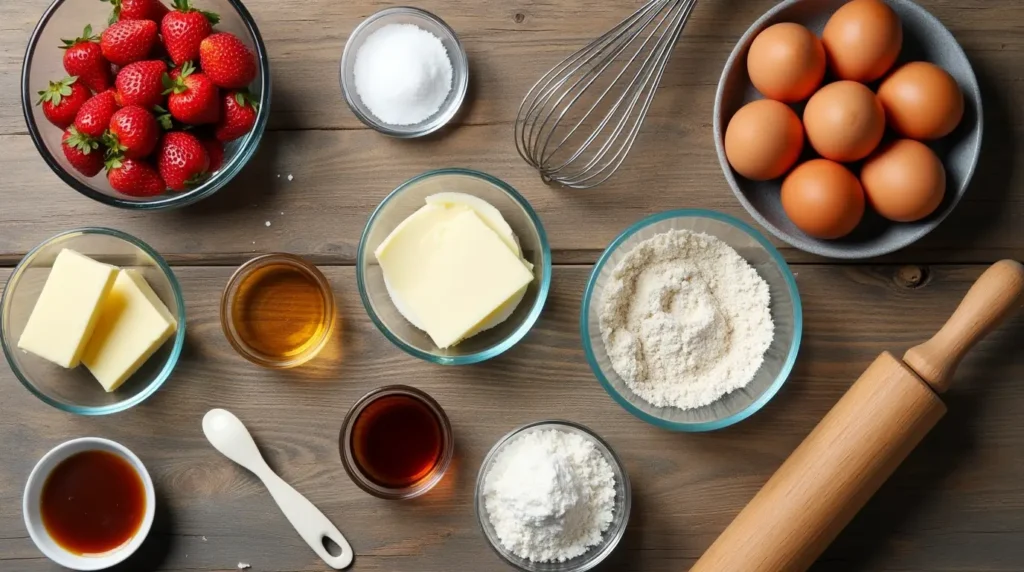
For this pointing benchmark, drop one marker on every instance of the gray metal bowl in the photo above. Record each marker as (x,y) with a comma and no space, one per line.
(924,39)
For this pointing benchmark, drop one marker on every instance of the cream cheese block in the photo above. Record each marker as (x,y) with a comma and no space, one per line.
(449,271)
(66,312)
(133,323)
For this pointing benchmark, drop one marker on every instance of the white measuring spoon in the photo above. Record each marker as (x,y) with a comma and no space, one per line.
(228,435)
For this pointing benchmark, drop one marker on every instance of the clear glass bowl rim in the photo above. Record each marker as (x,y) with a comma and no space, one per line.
(769,392)
(627,501)
(170,200)
(172,359)
(403,132)
(528,321)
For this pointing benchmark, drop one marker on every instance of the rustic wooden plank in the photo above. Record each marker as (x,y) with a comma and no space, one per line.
(510,45)
(955,505)
(340,176)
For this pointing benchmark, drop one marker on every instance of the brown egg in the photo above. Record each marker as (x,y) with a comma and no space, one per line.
(763,140)
(823,199)
(862,40)
(922,101)
(844,121)
(904,181)
(786,62)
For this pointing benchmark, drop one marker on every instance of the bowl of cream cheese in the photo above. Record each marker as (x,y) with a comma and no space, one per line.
(454,266)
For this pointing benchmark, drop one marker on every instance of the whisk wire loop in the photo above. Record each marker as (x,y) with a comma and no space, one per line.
(578,123)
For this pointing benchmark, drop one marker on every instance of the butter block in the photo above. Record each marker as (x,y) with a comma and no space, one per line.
(488,213)
(133,324)
(66,312)
(451,270)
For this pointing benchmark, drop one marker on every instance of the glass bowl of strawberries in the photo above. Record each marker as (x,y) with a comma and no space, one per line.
(146,104)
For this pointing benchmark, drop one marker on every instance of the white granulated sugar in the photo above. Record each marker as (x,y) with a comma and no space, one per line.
(290,177)
(267,223)
(402,74)
(685,320)
(549,495)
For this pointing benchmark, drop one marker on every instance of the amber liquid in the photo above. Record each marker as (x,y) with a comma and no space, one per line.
(93,502)
(279,311)
(397,440)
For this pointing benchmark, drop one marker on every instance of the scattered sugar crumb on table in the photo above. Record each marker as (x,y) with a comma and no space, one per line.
(244,566)
(267,223)
(290,177)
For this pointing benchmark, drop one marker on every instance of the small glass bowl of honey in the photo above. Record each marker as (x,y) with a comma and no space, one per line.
(278,311)
(396,442)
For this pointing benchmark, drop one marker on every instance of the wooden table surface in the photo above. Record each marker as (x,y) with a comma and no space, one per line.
(956,505)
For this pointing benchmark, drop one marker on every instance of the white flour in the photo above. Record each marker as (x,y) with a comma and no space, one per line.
(685,320)
(549,495)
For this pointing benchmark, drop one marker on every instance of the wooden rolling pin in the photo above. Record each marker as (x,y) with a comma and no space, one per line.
(858,445)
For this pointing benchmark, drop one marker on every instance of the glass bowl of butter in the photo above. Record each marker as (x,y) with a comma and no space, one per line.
(93,321)
(454,266)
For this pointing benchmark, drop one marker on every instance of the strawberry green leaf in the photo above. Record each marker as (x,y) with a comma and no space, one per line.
(113,163)
(86,36)
(211,17)
(196,179)
(163,117)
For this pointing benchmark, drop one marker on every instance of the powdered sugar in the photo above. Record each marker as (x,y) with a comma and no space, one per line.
(549,495)
(685,320)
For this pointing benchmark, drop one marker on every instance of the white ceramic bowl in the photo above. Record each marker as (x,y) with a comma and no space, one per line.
(33,492)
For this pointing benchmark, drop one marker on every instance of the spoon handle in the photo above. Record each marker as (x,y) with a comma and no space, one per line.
(309,522)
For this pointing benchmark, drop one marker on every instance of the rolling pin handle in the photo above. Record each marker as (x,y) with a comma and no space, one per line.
(991,299)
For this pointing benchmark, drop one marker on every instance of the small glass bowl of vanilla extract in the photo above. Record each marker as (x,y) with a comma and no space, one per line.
(278,311)
(396,442)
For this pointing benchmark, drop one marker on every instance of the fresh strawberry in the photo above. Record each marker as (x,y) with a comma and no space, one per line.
(183,29)
(228,62)
(237,115)
(62,100)
(84,58)
(134,177)
(215,150)
(136,10)
(133,132)
(191,97)
(94,116)
(182,160)
(128,41)
(83,152)
(141,83)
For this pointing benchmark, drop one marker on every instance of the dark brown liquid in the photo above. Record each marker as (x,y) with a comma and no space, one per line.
(279,311)
(93,502)
(397,440)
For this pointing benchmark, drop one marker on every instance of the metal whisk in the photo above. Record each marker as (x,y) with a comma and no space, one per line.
(578,122)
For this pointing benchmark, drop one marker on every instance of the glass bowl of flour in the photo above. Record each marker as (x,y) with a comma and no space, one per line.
(552,496)
(691,320)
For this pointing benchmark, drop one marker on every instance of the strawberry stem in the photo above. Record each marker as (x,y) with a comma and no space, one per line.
(87,36)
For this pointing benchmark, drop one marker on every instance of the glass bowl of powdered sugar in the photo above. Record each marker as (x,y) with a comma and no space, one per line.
(552,496)
(691,320)
(404,72)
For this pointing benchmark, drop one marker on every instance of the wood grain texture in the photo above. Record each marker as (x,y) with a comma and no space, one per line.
(342,170)
(956,504)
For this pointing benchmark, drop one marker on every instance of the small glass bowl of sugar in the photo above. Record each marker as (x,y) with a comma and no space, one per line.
(404,72)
